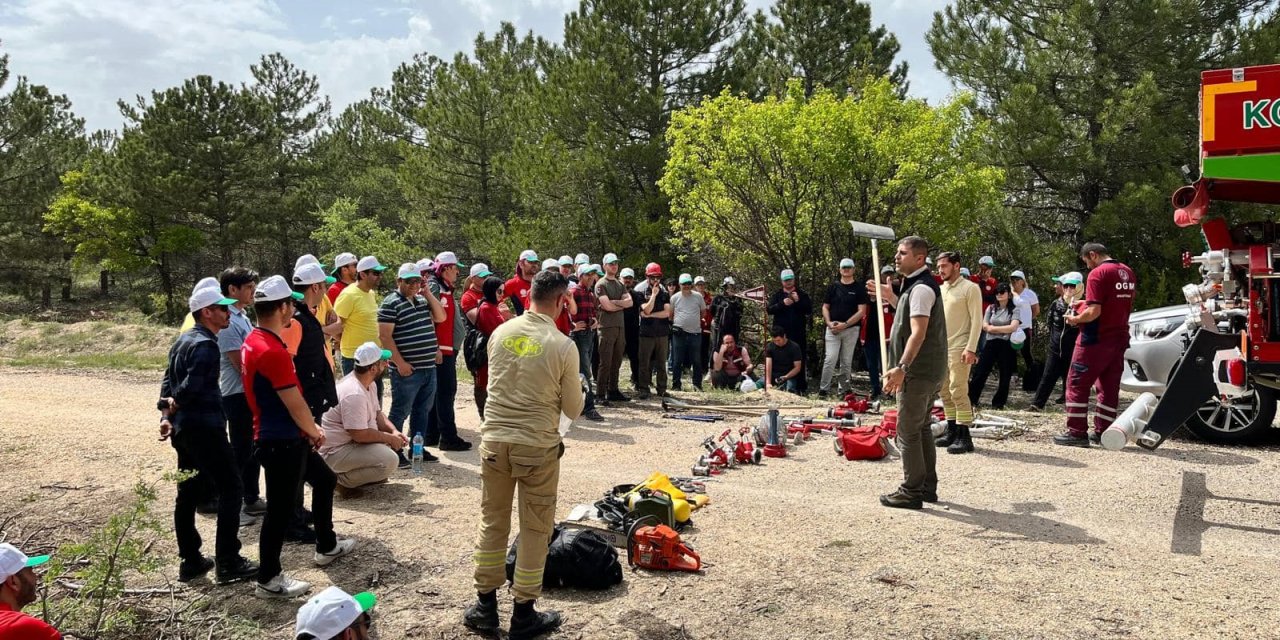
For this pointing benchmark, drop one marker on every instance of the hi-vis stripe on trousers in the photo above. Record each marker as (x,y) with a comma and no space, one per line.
(536,472)
(1094,367)
(955,389)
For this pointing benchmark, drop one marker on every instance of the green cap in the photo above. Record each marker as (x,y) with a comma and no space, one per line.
(36,561)
(366,601)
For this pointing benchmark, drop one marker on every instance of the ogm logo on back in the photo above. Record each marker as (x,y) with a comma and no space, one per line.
(522,346)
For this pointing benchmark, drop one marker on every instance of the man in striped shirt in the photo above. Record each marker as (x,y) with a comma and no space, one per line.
(406,327)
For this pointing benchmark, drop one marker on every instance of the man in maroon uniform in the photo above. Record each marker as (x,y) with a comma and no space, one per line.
(1098,360)
(986,281)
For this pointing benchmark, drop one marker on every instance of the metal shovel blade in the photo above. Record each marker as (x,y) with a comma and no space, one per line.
(873,231)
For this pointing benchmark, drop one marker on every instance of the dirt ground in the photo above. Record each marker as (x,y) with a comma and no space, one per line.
(1030,540)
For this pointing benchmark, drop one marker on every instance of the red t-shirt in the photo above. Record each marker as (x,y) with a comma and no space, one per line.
(268,369)
(563,322)
(471,299)
(488,317)
(518,288)
(16,625)
(1111,285)
(706,314)
(444,330)
(988,288)
(332,293)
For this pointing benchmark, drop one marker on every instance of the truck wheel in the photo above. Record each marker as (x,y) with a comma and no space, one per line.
(1236,421)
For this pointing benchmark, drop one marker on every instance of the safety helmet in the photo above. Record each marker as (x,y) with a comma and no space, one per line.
(653,269)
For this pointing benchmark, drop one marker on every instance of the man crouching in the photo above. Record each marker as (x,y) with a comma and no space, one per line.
(533,378)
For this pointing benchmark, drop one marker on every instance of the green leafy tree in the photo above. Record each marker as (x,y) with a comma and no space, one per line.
(1094,108)
(824,43)
(40,138)
(772,184)
(343,228)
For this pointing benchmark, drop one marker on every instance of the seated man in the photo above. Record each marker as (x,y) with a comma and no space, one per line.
(360,443)
(783,365)
(18,582)
(335,615)
(730,364)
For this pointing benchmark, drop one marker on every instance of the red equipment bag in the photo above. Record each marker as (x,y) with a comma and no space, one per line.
(889,423)
(862,443)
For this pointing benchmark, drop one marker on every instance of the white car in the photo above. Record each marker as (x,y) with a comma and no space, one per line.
(1157,338)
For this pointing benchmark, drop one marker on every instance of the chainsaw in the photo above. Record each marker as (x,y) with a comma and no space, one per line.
(659,547)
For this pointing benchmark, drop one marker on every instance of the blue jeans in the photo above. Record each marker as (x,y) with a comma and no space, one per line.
(586,341)
(687,349)
(442,426)
(413,396)
(348,364)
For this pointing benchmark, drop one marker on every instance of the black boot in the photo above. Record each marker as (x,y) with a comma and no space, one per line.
(527,623)
(963,442)
(947,438)
(483,615)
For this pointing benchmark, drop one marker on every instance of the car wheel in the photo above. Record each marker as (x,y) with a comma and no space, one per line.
(1237,420)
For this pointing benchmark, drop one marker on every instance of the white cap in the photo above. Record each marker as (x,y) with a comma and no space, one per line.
(699,280)
(964,271)
(274,288)
(584,269)
(581,258)
(846,263)
(686,278)
(409,270)
(447,258)
(425,264)
(343,259)
(550,263)
(370,263)
(529,255)
(987,261)
(1072,277)
(311,273)
(1018,274)
(609,258)
(787,274)
(480,270)
(206,297)
(565,261)
(205,283)
(728,280)
(928,260)
(331,612)
(369,353)
(598,269)
(627,272)
(12,561)
(307,259)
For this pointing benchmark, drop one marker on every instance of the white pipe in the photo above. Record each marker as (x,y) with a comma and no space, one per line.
(1130,424)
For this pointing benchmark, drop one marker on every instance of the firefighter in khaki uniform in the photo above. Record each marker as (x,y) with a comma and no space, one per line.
(533,378)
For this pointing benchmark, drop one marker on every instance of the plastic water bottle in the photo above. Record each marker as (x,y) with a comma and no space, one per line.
(417,455)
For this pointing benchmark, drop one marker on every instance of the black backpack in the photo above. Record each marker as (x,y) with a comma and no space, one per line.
(577,559)
(475,348)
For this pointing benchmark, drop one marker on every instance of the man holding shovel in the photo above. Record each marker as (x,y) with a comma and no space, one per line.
(917,366)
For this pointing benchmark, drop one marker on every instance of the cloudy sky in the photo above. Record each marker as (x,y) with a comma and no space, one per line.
(97,51)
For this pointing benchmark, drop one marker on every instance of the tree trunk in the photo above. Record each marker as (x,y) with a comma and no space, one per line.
(103,282)
(46,295)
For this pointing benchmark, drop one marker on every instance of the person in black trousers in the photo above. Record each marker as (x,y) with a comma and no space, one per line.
(191,415)
(631,326)
(791,309)
(1062,339)
(1000,322)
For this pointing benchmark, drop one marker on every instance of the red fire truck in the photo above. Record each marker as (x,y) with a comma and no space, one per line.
(1234,312)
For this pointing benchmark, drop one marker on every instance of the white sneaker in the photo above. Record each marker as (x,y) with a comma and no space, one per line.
(282,586)
(343,547)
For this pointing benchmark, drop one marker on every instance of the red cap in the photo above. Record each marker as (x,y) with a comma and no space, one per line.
(653,269)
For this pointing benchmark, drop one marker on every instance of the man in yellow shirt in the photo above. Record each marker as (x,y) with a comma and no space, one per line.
(962,308)
(357,308)
(533,378)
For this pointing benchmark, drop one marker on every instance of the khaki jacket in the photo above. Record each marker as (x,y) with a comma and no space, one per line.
(533,378)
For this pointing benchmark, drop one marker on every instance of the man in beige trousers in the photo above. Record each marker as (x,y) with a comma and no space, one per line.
(962,306)
(360,442)
(533,379)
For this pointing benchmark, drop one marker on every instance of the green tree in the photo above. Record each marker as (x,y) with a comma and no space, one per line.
(824,43)
(40,138)
(343,228)
(1094,108)
(765,185)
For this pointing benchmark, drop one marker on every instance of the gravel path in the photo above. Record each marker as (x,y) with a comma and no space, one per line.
(1030,540)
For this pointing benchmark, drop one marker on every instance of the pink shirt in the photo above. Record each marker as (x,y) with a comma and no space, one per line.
(357,409)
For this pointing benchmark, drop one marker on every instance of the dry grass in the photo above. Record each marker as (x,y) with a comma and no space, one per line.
(1030,541)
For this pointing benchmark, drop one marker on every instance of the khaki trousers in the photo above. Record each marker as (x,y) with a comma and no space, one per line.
(955,389)
(613,346)
(915,439)
(536,472)
(359,464)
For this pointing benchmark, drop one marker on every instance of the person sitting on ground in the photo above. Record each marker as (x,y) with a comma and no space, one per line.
(360,443)
(18,584)
(730,364)
(333,614)
(783,365)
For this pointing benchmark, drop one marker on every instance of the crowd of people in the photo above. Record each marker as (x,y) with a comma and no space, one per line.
(242,401)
